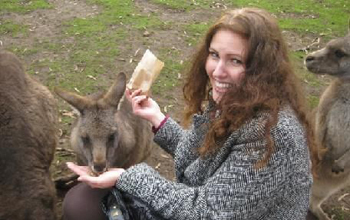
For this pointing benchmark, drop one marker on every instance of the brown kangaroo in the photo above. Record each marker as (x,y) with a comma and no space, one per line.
(107,133)
(332,122)
(28,138)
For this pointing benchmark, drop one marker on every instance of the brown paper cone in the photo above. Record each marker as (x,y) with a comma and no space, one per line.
(145,73)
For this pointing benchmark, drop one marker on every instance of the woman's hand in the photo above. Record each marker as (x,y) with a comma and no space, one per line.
(145,107)
(105,180)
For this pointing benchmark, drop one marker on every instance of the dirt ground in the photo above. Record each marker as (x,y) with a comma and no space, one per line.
(47,24)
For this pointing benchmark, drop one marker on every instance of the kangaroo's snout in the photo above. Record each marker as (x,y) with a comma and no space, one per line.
(309,58)
(99,167)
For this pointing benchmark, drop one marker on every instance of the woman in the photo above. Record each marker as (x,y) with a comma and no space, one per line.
(246,154)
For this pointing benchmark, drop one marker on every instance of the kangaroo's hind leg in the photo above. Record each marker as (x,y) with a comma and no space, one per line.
(320,192)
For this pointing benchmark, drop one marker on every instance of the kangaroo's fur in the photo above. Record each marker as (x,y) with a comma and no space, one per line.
(28,138)
(107,133)
(332,122)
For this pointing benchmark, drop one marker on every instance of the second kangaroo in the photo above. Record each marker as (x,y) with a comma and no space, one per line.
(107,133)
(332,122)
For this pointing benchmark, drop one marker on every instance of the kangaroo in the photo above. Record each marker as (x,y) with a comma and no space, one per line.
(107,133)
(332,122)
(28,138)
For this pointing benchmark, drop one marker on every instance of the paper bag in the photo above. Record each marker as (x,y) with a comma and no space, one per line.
(145,73)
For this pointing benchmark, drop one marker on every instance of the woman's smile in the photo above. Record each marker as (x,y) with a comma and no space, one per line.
(225,63)
(221,87)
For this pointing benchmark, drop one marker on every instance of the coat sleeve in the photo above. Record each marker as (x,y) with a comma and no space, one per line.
(169,135)
(236,190)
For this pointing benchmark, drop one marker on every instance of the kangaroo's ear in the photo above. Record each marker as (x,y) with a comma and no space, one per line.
(116,91)
(75,100)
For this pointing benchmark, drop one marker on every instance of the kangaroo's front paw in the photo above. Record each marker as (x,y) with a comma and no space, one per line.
(337,168)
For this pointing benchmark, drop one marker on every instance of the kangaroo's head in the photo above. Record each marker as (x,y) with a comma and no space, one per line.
(333,59)
(95,136)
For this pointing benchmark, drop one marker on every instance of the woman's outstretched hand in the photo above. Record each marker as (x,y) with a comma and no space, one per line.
(104,180)
(145,107)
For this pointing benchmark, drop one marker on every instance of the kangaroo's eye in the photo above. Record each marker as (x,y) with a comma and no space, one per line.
(111,138)
(339,53)
(86,140)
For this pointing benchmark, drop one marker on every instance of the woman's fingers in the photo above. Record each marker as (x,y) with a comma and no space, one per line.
(139,99)
(84,175)
(128,94)
(140,103)
(105,180)
(80,170)
(135,97)
(137,92)
(91,180)
(131,94)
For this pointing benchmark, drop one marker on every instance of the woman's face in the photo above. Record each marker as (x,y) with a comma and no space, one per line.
(225,64)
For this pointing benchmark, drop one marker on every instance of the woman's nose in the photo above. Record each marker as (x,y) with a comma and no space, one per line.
(220,70)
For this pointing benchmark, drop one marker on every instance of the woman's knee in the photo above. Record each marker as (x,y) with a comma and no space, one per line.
(84,202)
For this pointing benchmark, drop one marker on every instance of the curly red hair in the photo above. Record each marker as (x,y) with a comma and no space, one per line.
(269,81)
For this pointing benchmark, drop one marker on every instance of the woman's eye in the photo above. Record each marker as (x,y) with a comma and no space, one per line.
(236,61)
(213,54)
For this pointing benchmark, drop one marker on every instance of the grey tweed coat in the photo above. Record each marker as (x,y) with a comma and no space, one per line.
(227,185)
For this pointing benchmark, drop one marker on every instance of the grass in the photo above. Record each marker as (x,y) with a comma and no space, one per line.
(23,6)
(298,15)
(307,17)
(169,78)
(12,28)
(339,213)
(309,79)
(313,101)
(196,32)
(101,34)
(185,5)
(97,40)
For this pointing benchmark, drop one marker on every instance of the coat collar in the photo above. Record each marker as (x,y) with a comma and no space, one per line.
(199,119)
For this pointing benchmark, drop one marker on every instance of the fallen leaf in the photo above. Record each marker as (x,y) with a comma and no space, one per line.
(91,77)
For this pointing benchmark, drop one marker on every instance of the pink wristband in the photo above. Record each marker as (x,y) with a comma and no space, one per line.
(155,129)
